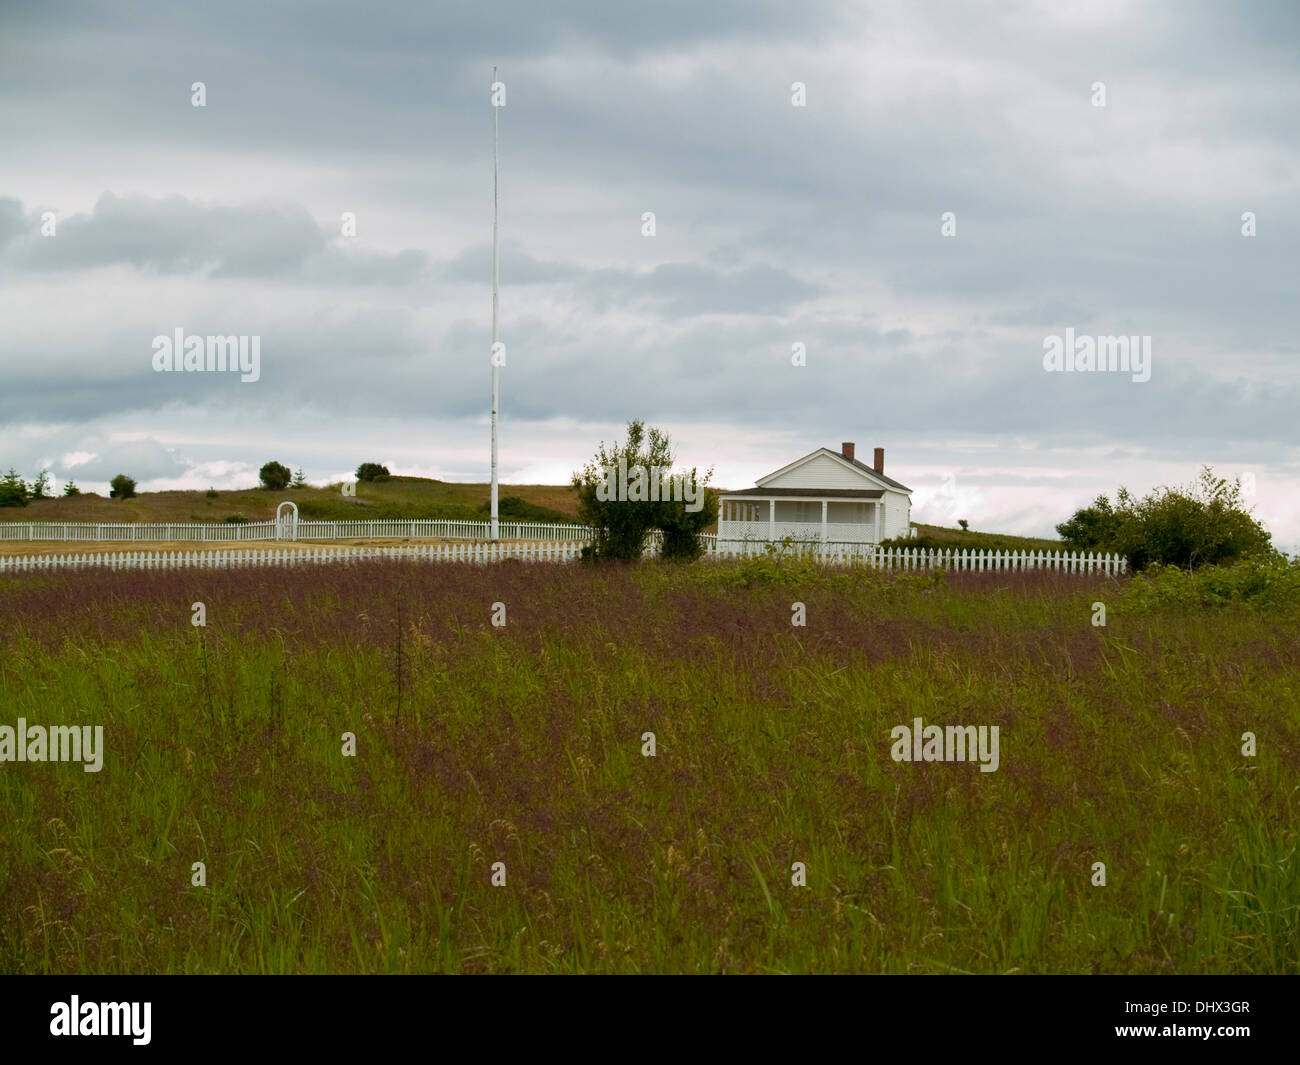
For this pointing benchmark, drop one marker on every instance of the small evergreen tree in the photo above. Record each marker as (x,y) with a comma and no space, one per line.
(70,489)
(13,490)
(299,479)
(40,488)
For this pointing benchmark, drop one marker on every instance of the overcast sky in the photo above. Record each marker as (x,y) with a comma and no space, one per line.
(775,225)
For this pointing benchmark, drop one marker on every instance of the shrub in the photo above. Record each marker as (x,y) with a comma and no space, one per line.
(373,471)
(1272,583)
(211,493)
(1201,524)
(275,475)
(121,487)
(235,519)
(621,526)
(1091,528)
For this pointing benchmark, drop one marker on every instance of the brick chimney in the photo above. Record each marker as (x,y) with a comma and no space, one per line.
(879,464)
(846,449)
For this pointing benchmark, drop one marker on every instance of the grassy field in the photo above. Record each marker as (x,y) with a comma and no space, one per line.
(398,497)
(523,744)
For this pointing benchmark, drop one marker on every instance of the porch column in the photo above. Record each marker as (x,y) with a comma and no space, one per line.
(878,502)
(823,521)
(771,519)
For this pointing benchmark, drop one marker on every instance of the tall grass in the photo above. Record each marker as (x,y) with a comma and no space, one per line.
(1119,744)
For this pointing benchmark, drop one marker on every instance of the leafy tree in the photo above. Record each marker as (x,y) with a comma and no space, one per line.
(372,471)
(71,489)
(13,490)
(1091,528)
(622,526)
(299,479)
(1201,524)
(965,525)
(121,487)
(275,475)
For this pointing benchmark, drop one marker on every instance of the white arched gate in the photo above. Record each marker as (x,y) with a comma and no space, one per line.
(286,521)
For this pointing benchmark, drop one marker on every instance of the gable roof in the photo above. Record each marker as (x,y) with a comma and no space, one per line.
(809,493)
(861,467)
(871,470)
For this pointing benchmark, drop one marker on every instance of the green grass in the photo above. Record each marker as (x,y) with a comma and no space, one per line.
(398,497)
(944,538)
(523,745)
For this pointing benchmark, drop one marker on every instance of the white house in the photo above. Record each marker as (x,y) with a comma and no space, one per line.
(827,495)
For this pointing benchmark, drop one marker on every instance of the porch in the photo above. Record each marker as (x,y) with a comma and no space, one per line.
(843,516)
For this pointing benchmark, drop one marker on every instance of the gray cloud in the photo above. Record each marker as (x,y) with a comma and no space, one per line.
(776,224)
(177,236)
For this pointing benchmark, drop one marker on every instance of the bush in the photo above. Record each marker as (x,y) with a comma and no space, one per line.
(275,476)
(235,519)
(121,487)
(13,490)
(1203,524)
(1093,528)
(211,493)
(622,526)
(373,471)
(1272,583)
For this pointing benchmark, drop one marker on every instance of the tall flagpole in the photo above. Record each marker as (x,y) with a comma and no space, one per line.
(496,383)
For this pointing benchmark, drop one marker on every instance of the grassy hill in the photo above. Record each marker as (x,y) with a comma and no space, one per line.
(402,497)
(945,538)
(398,497)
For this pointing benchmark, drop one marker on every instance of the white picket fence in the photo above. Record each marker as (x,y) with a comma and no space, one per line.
(220,532)
(475,552)
(912,558)
(902,559)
